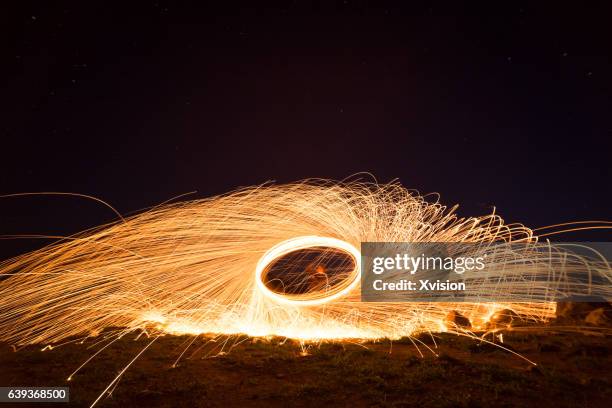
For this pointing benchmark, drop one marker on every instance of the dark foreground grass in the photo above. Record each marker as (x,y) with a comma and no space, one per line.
(573,370)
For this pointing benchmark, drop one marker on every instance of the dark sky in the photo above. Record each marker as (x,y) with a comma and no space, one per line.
(140,102)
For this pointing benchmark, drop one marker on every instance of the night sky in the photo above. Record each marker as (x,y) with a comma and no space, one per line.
(137,103)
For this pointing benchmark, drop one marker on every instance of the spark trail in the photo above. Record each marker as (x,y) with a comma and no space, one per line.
(217,266)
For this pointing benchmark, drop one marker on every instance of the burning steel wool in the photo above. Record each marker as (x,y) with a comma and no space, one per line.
(264,261)
(269,260)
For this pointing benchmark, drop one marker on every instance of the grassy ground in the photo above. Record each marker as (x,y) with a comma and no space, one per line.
(573,370)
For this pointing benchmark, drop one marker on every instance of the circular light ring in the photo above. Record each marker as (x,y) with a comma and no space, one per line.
(299,243)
